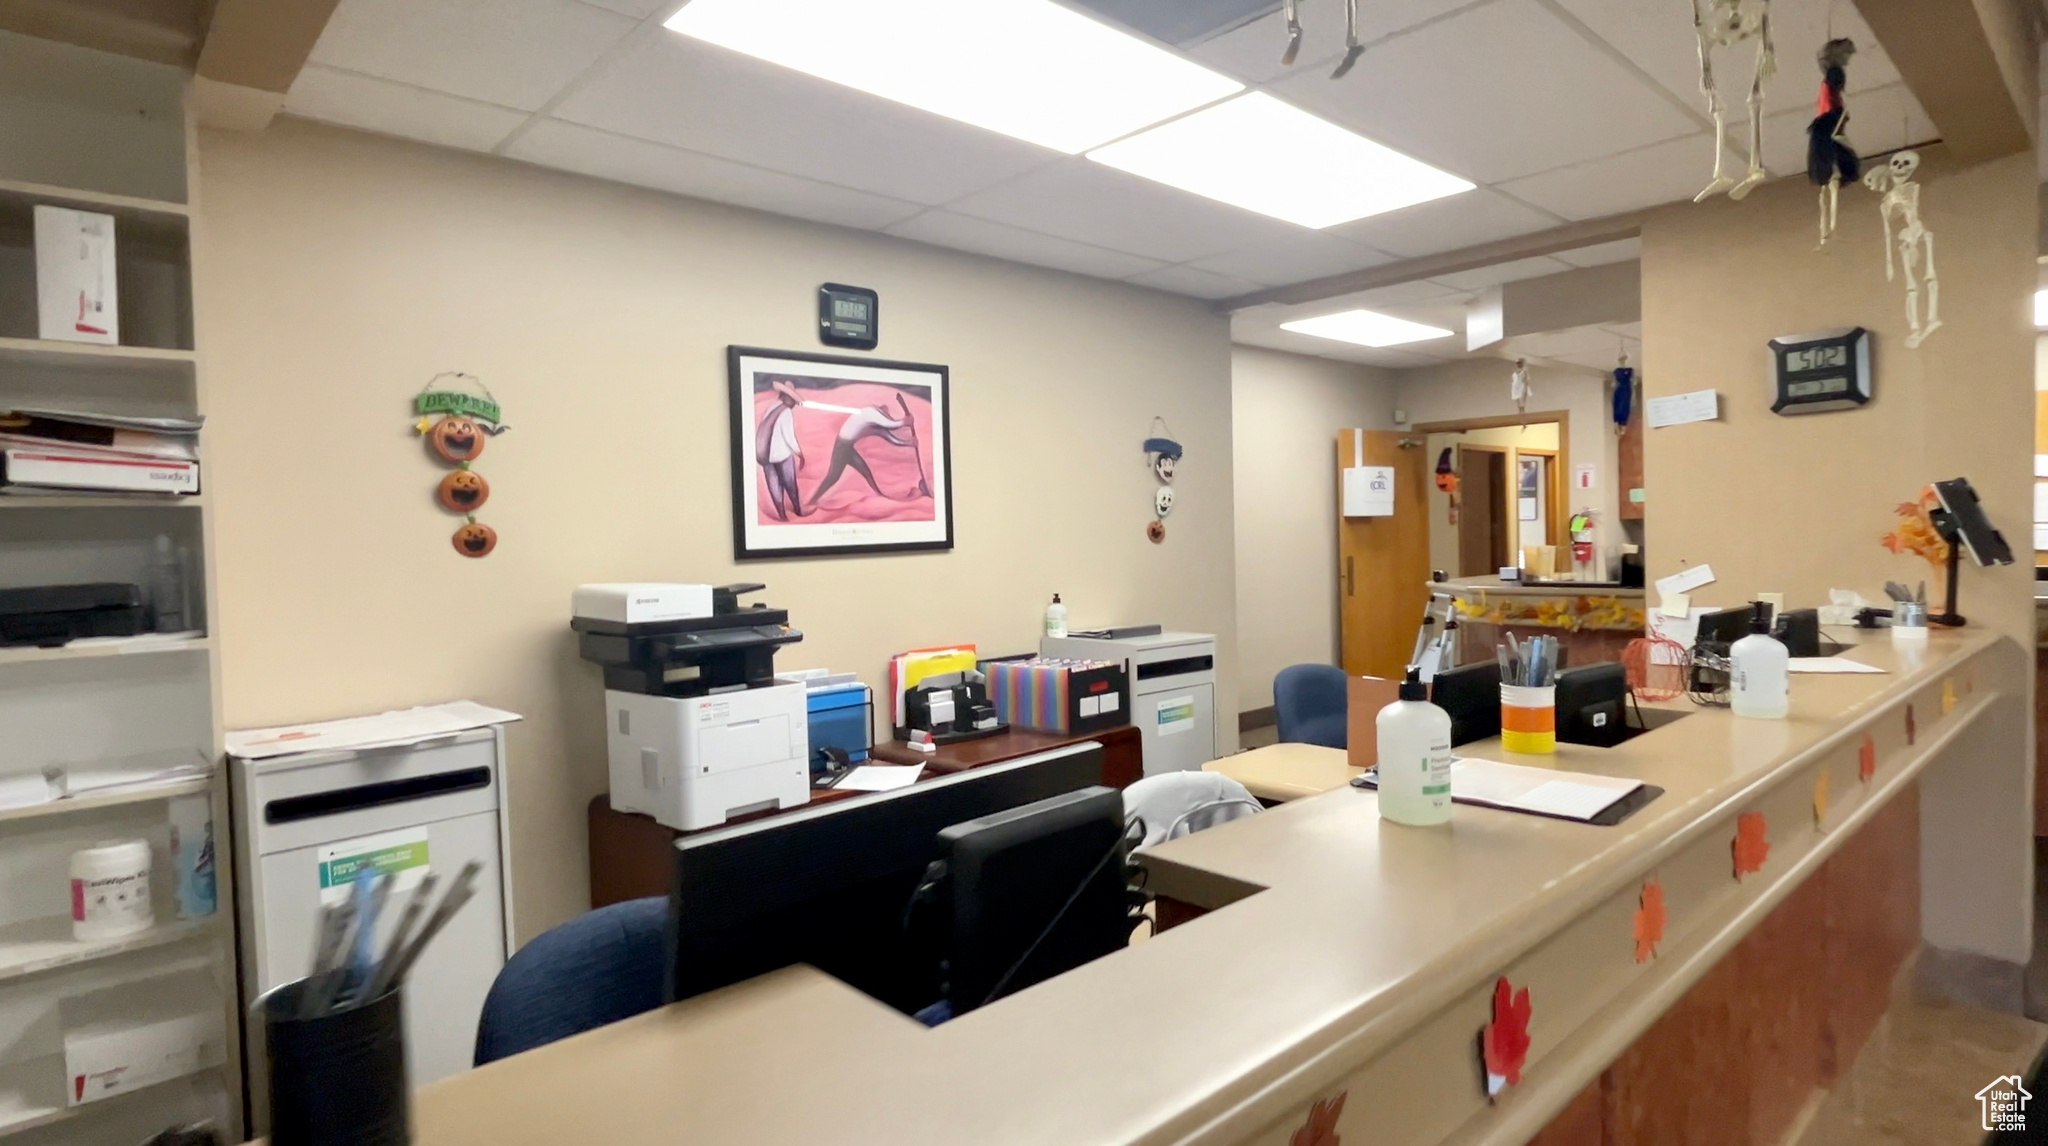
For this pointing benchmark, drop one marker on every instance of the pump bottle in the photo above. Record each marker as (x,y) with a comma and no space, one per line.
(1760,681)
(1056,618)
(1414,757)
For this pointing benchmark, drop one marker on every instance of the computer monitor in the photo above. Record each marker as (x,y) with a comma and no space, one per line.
(1592,705)
(828,885)
(1033,892)
(1471,696)
(1720,629)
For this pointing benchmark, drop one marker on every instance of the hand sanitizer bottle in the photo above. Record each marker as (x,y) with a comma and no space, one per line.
(1055,618)
(1414,757)
(1760,683)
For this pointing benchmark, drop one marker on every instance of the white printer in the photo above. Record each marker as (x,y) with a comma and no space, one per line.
(1173,688)
(697,728)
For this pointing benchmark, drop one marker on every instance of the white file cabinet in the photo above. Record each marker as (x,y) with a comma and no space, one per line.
(431,806)
(1173,692)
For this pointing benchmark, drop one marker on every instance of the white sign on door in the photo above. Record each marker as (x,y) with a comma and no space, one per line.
(1369,491)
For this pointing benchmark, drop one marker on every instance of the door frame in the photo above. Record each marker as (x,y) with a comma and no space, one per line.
(1511,529)
(1561,463)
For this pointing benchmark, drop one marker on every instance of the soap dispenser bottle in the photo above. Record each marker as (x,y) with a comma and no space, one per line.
(1414,739)
(1760,681)
(1056,618)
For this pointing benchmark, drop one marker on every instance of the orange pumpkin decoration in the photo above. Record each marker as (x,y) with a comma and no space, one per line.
(457,438)
(464,490)
(475,539)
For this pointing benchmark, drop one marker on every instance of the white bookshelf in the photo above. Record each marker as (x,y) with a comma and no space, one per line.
(105,133)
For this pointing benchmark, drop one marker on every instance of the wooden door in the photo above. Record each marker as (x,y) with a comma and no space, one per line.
(1383,562)
(1482,511)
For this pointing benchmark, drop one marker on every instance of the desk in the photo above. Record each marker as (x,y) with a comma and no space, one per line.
(1344,956)
(1122,752)
(1278,773)
(630,854)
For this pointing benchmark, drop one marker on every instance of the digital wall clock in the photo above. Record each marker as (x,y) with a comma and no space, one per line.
(846,316)
(1821,372)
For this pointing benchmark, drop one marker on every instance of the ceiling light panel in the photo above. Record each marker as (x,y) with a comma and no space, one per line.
(1365,328)
(1269,156)
(1029,69)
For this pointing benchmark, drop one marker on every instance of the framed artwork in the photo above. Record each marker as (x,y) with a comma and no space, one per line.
(838,455)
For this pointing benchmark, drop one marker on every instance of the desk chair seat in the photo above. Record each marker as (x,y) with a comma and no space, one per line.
(598,968)
(1311,704)
(1176,804)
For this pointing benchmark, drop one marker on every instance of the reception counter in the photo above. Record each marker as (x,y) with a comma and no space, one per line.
(1344,972)
(1596,622)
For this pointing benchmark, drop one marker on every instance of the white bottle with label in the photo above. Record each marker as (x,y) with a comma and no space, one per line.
(1055,618)
(1414,757)
(1759,676)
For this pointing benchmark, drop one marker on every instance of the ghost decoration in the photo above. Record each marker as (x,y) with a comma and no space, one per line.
(1165,454)
(467,420)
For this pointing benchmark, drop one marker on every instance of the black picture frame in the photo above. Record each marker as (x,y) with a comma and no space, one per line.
(767,524)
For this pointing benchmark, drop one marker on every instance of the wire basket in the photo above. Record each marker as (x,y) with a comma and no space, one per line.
(1658,668)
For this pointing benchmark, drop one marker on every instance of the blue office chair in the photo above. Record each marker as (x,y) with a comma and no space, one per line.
(598,968)
(1310,703)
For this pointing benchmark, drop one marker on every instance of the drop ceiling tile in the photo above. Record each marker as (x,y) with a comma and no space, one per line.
(1294,258)
(1659,39)
(1879,121)
(1448,224)
(1089,203)
(1601,254)
(637,9)
(1660,173)
(397,109)
(571,147)
(685,93)
(1497,91)
(1189,281)
(979,236)
(518,53)
(1252,52)
(1507,272)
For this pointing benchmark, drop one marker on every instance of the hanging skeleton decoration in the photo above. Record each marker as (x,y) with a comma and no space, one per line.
(1291,11)
(1894,181)
(1829,158)
(1518,386)
(1726,24)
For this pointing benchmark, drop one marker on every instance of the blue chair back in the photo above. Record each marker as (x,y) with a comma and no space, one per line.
(598,968)
(1311,705)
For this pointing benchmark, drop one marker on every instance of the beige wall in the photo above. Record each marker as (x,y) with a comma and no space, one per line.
(1443,536)
(1797,504)
(1286,411)
(1478,388)
(337,272)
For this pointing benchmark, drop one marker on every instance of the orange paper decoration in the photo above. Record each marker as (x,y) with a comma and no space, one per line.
(1649,920)
(1866,759)
(1751,848)
(1948,695)
(1504,1044)
(1321,1127)
(1820,798)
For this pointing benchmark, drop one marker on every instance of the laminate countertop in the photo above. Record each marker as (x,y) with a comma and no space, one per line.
(1492,585)
(1340,950)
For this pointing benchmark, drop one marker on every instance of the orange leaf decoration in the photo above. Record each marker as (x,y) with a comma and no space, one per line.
(1504,1044)
(1321,1127)
(1866,759)
(1750,845)
(1649,920)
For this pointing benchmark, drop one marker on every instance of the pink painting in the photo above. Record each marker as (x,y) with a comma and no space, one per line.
(839,463)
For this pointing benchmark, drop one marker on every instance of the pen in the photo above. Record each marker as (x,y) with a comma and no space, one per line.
(459,892)
(395,945)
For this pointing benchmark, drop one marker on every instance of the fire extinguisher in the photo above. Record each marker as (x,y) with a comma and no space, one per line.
(1581,529)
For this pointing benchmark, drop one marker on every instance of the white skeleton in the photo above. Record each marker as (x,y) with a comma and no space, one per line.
(1902,196)
(1724,24)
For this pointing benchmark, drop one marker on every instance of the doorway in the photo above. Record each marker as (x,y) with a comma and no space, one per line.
(1507,504)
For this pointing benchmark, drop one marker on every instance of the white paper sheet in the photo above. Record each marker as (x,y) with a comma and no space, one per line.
(1686,580)
(1678,409)
(1369,491)
(1829,665)
(148,768)
(24,789)
(1515,787)
(1684,630)
(880,778)
(1564,798)
(2040,502)
(402,726)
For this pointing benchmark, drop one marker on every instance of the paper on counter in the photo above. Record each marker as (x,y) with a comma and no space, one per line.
(880,778)
(1564,798)
(1548,791)
(1829,665)
(402,726)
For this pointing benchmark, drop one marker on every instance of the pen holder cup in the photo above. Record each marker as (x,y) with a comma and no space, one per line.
(1528,719)
(336,1079)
